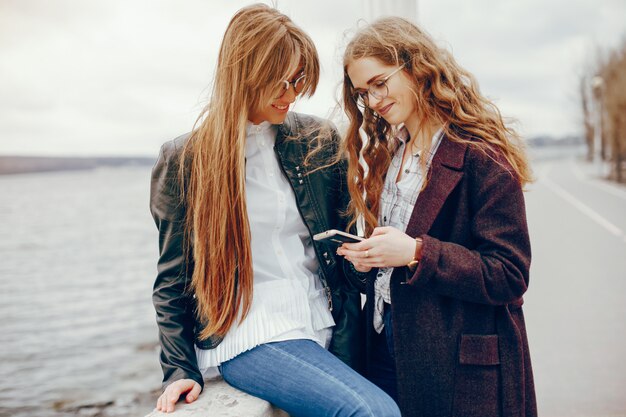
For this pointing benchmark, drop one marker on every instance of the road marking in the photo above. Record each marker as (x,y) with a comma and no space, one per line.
(611,189)
(588,211)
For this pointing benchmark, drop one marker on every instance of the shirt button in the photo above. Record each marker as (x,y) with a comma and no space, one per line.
(406,171)
(271,174)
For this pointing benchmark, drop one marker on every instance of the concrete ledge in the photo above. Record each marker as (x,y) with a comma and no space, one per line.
(218,399)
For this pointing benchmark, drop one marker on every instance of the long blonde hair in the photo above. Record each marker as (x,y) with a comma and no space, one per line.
(445,94)
(260,48)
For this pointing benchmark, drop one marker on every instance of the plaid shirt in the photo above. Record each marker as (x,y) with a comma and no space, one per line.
(397,202)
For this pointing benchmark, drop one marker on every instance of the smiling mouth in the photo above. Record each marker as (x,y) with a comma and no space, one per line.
(281,108)
(385,109)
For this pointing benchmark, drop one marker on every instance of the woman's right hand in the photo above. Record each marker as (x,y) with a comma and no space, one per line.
(386,247)
(173,391)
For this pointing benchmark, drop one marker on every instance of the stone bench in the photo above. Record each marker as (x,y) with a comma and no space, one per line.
(218,399)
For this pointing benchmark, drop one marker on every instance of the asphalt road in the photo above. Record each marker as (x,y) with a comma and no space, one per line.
(576,303)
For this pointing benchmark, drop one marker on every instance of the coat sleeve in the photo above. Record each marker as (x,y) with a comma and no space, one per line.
(495,270)
(171,299)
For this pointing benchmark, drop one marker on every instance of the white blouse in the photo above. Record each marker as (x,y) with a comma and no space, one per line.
(289,301)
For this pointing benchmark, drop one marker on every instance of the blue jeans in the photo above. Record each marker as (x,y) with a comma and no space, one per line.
(304,379)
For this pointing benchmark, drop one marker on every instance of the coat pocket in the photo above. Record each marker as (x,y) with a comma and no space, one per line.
(477,377)
(478,349)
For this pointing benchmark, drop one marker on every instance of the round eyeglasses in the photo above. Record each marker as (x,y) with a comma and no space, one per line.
(298,85)
(378,89)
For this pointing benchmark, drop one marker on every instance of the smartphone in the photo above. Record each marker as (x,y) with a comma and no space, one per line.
(336,237)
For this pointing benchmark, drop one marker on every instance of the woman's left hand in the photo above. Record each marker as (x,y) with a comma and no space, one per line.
(386,247)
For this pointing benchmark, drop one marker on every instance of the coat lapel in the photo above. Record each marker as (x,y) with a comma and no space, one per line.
(444,174)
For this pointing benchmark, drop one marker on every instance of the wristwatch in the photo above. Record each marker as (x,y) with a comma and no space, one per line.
(413,264)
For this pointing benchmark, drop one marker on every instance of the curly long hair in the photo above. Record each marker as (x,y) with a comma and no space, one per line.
(445,94)
(261,46)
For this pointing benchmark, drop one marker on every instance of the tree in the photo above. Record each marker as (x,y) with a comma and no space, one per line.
(612,102)
(603,104)
(587,116)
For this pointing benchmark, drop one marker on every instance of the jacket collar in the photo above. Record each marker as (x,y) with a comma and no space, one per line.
(286,128)
(445,173)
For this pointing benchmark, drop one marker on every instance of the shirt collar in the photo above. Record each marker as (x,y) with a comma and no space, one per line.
(260,128)
(402,136)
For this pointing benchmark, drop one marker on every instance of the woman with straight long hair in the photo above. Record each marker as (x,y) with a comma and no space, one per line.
(241,287)
(446,261)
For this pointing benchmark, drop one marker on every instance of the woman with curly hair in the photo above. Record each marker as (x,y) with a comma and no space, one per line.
(446,261)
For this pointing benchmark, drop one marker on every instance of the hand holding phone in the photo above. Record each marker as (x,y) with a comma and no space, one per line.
(335,237)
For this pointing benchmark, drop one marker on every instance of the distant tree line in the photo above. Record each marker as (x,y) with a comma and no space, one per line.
(603,104)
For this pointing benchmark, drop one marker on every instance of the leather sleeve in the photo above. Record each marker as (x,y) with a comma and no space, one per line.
(347,343)
(172,301)
(354,279)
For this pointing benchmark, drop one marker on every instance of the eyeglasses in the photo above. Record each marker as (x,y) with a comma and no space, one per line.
(378,89)
(298,85)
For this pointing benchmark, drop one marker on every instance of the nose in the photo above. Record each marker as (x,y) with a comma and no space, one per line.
(373,101)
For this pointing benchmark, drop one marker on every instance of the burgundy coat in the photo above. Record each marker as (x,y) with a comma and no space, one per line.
(459,333)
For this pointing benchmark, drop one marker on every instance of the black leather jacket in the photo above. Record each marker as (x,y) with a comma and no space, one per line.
(320,196)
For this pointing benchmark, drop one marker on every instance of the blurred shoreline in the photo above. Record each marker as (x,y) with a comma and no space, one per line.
(10,164)
(16,164)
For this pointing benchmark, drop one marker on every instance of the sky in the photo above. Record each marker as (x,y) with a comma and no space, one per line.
(120,77)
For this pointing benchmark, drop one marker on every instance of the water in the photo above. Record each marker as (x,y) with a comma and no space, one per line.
(78,257)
